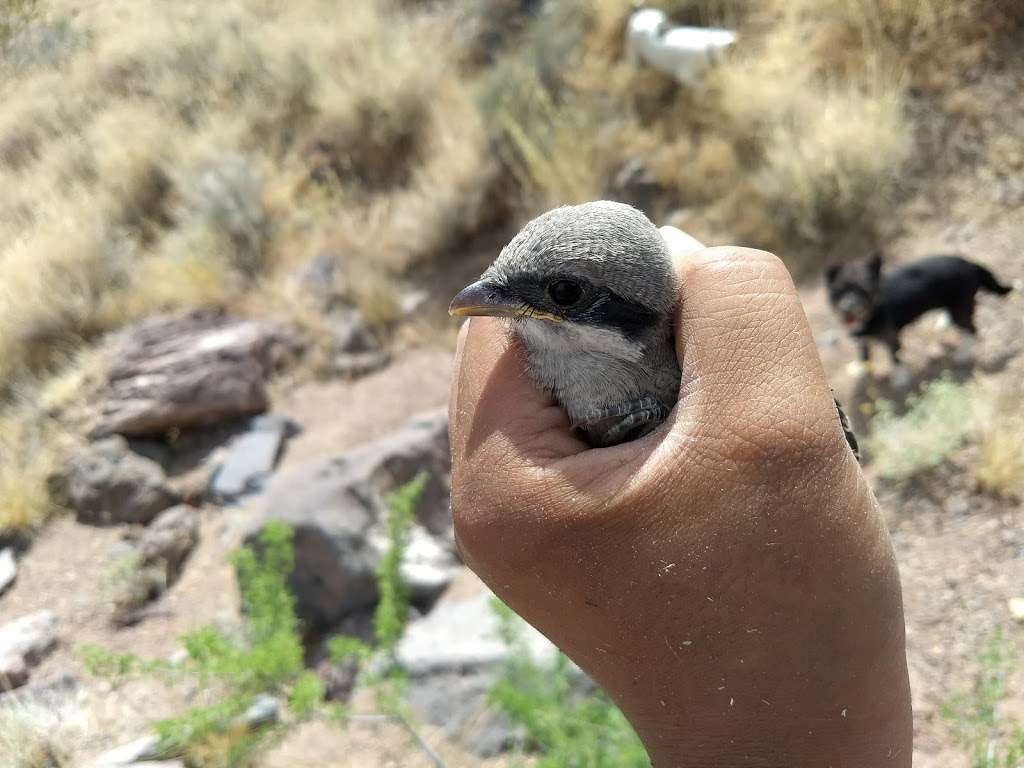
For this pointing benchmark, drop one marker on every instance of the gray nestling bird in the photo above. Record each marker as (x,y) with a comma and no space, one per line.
(591,291)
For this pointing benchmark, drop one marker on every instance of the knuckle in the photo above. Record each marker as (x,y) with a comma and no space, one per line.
(746,259)
(779,445)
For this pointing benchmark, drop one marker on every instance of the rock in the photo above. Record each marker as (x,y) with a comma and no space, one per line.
(53,692)
(170,539)
(355,350)
(151,565)
(452,657)
(317,280)
(24,643)
(337,508)
(251,458)
(194,370)
(14,672)
(264,710)
(456,702)
(462,634)
(105,483)
(353,365)
(339,680)
(350,331)
(428,566)
(1016,605)
(8,569)
(145,750)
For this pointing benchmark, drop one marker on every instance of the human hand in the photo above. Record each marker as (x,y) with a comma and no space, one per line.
(727,579)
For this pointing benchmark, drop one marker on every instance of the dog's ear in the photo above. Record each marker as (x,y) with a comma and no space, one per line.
(831,273)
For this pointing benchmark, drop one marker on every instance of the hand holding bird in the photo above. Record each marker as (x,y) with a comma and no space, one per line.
(727,577)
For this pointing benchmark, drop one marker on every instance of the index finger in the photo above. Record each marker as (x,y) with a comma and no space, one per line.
(494,405)
(751,373)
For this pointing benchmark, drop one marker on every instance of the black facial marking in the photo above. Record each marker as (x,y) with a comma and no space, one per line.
(596,306)
(612,311)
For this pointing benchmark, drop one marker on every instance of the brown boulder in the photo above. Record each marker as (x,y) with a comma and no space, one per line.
(195,370)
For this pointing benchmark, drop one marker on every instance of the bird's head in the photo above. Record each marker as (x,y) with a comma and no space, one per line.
(597,267)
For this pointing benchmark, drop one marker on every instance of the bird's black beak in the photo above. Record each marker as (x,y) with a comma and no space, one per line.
(484,298)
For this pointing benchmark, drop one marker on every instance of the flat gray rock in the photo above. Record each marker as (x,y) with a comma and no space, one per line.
(144,750)
(250,459)
(453,656)
(264,710)
(463,634)
(8,569)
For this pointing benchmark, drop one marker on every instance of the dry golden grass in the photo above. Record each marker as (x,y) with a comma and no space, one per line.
(35,736)
(171,166)
(27,457)
(192,151)
(174,155)
(999,429)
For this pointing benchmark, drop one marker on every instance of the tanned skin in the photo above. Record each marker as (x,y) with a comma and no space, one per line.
(728,579)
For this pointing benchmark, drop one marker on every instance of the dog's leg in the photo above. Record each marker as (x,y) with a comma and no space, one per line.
(900,377)
(892,341)
(962,315)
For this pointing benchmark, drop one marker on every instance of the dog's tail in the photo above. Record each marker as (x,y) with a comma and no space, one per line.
(989,282)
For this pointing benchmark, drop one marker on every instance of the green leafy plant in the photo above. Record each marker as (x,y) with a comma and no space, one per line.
(563,726)
(385,676)
(267,658)
(974,715)
(935,424)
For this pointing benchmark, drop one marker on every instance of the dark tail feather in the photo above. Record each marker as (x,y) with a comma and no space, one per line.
(990,283)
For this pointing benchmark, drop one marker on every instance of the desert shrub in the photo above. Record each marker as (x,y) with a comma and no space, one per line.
(28,454)
(267,656)
(379,666)
(998,426)
(831,167)
(974,716)
(36,736)
(563,727)
(15,15)
(233,671)
(936,423)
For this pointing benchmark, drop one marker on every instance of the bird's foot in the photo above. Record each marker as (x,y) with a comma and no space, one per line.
(621,422)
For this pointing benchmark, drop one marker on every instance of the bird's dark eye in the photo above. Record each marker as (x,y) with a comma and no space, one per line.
(565,293)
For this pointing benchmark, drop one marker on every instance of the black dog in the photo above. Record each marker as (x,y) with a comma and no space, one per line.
(879,306)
